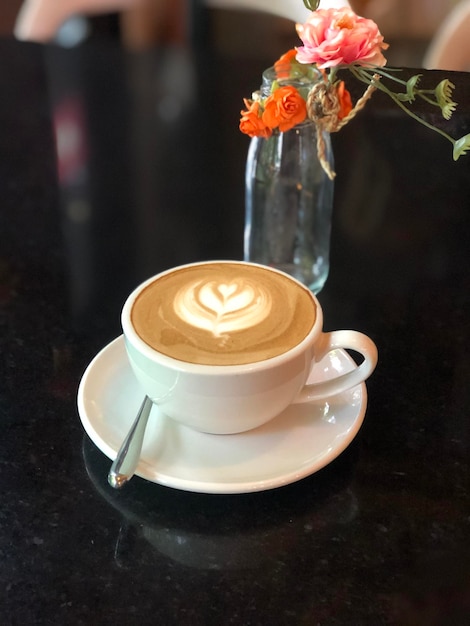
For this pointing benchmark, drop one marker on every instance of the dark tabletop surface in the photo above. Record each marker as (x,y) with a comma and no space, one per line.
(147,174)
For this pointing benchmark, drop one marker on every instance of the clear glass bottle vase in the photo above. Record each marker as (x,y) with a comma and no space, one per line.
(289,201)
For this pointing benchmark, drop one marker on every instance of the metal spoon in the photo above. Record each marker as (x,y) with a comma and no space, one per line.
(127,459)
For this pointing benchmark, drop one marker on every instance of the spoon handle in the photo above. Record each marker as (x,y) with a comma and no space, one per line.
(127,458)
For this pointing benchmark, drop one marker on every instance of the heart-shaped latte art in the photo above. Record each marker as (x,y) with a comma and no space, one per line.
(227,290)
(222,308)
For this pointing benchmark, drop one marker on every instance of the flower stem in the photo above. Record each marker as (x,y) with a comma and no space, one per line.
(421,120)
(377,70)
(367,79)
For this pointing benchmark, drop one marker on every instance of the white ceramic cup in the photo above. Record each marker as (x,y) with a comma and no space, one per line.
(224,399)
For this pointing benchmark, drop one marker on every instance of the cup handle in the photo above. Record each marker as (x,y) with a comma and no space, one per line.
(349,339)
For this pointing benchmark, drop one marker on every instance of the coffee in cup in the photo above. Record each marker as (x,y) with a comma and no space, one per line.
(222,314)
(225,346)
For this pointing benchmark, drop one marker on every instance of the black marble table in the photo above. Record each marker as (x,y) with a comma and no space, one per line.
(114,166)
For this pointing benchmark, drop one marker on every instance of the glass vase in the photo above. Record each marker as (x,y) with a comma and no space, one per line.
(289,201)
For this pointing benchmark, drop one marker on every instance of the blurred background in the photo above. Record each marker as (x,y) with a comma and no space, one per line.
(409,25)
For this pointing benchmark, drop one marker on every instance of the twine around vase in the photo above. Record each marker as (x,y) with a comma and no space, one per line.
(323,108)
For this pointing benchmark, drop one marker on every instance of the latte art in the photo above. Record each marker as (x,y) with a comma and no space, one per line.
(222,308)
(223,313)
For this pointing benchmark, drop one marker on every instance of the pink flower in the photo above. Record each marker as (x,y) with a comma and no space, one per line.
(334,37)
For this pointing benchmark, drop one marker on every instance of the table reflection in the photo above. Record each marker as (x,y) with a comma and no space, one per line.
(176,525)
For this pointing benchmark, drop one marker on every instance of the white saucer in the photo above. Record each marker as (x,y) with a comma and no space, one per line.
(297,443)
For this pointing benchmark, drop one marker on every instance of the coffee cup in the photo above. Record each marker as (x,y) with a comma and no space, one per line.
(225,346)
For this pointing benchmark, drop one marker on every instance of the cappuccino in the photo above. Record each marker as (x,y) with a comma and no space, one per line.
(223,313)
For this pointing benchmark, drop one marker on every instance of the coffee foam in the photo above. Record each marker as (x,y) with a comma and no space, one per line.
(223,314)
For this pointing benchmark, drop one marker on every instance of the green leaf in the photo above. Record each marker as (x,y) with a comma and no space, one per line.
(410,94)
(312,5)
(444,98)
(411,86)
(404,97)
(461,146)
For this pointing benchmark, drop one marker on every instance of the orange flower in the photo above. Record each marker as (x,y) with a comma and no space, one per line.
(282,65)
(345,101)
(252,123)
(285,108)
